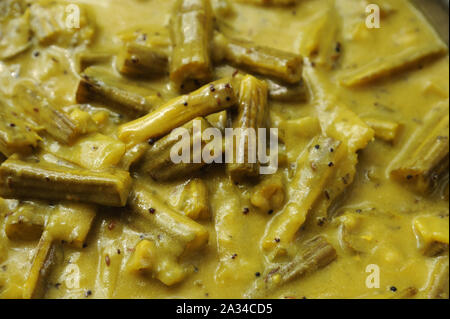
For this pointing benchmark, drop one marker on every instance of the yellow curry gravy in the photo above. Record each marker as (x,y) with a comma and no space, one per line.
(374,222)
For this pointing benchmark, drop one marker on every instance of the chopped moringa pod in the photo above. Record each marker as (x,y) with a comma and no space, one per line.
(30,102)
(211,98)
(31,180)
(281,65)
(137,59)
(15,135)
(157,161)
(252,109)
(191,35)
(313,254)
(99,84)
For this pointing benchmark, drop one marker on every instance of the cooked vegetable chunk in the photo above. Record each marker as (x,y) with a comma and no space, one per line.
(287,93)
(121,184)
(281,65)
(269,195)
(386,66)
(222,8)
(143,258)
(191,35)
(384,130)
(133,155)
(50,24)
(297,134)
(57,232)
(342,124)
(26,222)
(75,233)
(194,202)
(337,119)
(15,136)
(218,120)
(101,85)
(321,42)
(110,261)
(156,213)
(15,35)
(28,100)
(150,35)
(438,286)
(158,162)
(137,59)
(86,59)
(148,259)
(95,151)
(252,108)
(315,170)
(425,156)
(45,258)
(312,255)
(211,98)
(432,234)
(20,179)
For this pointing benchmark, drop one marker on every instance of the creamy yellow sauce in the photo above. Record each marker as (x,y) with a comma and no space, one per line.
(382,210)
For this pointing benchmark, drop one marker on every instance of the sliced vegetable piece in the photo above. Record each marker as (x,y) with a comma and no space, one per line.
(31,102)
(270,194)
(218,120)
(57,232)
(21,179)
(437,285)
(51,25)
(133,155)
(95,151)
(81,217)
(287,92)
(211,98)
(15,136)
(315,170)
(297,134)
(148,259)
(336,119)
(100,85)
(191,35)
(425,155)
(136,59)
(155,213)
(281,65)
(109,244)
(385,130)
(322,42)
(383,67)
(15,35)
(194,200)
(312,255)
(432,234)
(158,162)
(26,222)
(252,108)
(45,258)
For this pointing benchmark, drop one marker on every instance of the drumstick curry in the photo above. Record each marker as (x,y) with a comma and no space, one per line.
(92,204)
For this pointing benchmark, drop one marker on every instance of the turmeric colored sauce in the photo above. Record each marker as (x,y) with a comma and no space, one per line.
(369,89)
